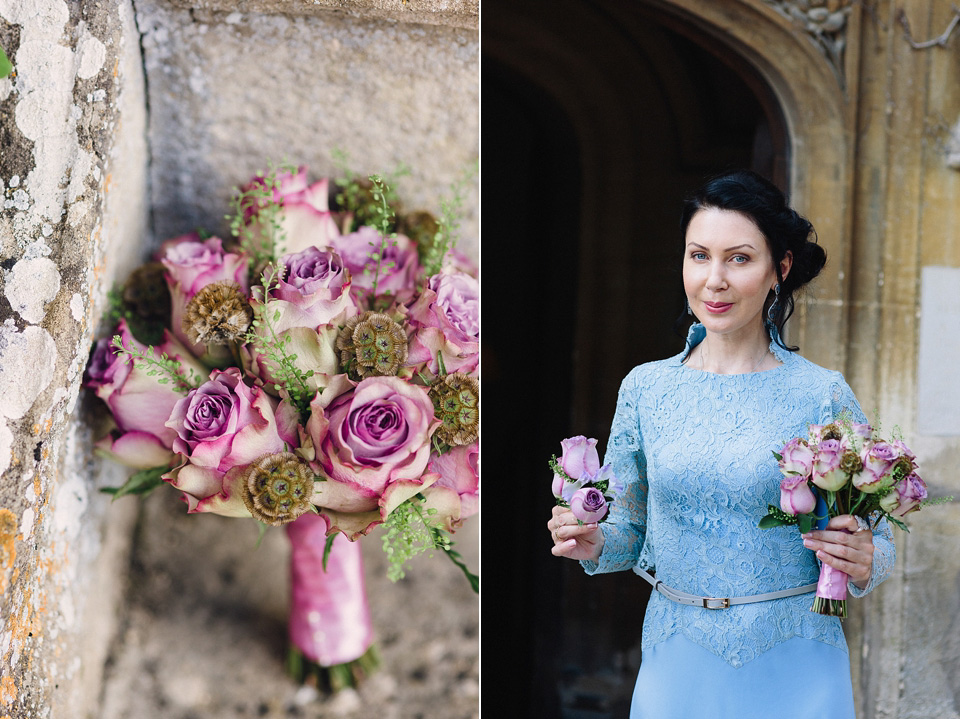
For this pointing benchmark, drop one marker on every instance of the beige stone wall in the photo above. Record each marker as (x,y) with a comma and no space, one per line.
(230,90)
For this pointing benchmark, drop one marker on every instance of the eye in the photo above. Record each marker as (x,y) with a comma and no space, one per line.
(697,255)
(740,259)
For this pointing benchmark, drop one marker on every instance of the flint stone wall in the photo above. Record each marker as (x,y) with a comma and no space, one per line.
(126,123)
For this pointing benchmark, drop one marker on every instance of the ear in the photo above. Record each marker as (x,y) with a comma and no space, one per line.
(785,264)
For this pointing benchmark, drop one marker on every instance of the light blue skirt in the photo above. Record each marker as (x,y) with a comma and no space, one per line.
(797,679)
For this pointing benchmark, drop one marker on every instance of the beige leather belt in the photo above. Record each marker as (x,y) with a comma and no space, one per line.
(718,602)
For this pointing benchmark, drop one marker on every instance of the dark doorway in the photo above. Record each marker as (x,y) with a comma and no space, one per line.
(598,117)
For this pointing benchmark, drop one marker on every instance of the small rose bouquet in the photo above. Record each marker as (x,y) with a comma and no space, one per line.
(318,371)
(579,482)
(844,468)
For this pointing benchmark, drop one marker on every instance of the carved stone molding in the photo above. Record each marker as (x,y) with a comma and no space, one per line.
(825,21)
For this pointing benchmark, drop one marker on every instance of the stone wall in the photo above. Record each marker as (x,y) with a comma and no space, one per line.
(73,179)
(127,122)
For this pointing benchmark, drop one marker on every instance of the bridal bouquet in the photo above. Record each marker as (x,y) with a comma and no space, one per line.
(844,468)
(579,482)
(317,371)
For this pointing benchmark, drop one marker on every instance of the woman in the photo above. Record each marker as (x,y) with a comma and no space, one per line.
(692,439)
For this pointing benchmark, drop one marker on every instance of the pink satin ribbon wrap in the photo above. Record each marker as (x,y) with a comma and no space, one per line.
(329,615)
(832,583)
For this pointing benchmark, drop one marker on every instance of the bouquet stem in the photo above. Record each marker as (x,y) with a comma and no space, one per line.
(330,630)
(831,596)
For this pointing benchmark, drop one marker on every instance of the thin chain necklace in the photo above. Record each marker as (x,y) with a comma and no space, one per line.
(703,351)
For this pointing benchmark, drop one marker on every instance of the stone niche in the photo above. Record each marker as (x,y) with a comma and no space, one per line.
(125,124)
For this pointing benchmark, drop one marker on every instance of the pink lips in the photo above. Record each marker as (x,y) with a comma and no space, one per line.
(718,307)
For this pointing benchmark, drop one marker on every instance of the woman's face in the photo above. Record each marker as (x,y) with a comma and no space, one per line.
(727,271)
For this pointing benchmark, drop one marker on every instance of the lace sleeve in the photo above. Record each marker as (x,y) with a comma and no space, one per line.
(884,556)
(625,526)
(885,552)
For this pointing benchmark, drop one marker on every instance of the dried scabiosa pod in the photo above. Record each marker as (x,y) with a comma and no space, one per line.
(456,403)
(218,314)
(277,488)
(372,345)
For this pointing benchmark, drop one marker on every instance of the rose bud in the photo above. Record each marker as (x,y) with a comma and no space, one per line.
(827,472)
(588,505)
(796,497)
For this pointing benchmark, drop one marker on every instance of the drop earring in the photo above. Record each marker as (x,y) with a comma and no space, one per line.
(773,305)
(689,311)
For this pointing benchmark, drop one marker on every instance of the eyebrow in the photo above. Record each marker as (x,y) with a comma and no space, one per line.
(729,249)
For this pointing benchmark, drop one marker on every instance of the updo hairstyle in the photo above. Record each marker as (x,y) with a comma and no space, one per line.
(785,230)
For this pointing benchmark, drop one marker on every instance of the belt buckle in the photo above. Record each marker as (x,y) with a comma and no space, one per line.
(724,602)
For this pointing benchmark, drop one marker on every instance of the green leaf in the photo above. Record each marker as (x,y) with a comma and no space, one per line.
(5,65)
(769,522)
(805,522)
(326,550)
(142,482)
(458,560)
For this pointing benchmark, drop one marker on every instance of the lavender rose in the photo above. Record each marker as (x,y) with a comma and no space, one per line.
(139,402)
(399,268)
(796,458)
(796,497)
(222,425)
(373,443)
(313,291)
(878,460)
(588,505)
(906,496)
(446,318)
(579,456)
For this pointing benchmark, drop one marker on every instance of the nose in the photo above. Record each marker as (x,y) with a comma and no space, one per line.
(717,279)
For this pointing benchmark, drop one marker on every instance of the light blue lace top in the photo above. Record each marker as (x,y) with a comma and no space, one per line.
(695,450)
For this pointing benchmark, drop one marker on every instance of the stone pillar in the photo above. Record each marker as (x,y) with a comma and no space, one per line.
(904,270)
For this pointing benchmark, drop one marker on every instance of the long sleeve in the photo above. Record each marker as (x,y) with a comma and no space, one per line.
(625,527)
(885,551)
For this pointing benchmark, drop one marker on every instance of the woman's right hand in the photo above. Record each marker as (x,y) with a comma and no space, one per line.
(572,539)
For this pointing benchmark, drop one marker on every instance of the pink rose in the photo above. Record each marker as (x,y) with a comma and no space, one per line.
(398,279)
(193,264)
(373,443)
(456,495)
(878,460)
(139,402)
(579,456)
(588,505)
(827,473)
(796,497)
(906,496)
(304,217)
(796,458)
(446,319)
(222,425)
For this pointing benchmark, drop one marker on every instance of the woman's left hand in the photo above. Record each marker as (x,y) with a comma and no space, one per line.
(844,546)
